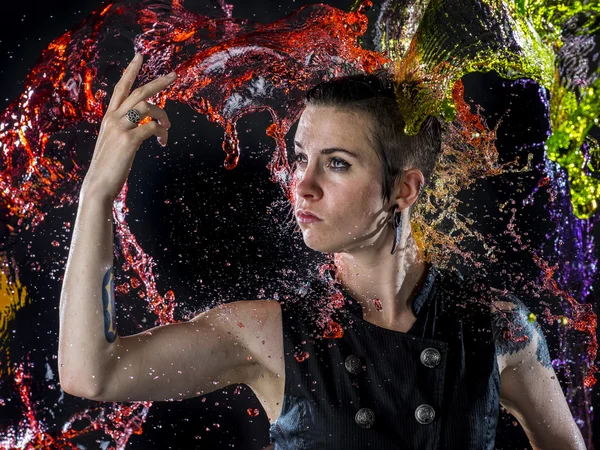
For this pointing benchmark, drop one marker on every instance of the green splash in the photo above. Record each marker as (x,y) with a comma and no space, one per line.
(434,43)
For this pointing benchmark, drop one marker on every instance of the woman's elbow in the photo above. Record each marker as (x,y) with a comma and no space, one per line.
(73,385)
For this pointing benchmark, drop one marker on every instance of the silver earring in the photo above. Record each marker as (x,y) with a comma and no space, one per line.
(397,225)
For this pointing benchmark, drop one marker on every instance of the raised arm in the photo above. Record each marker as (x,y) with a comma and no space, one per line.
(530,389)
(87,332)
(172,361)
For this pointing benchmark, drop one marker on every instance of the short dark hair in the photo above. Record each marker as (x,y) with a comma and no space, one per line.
(374,95)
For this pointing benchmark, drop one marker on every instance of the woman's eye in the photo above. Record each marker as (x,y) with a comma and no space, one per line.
(339,163)
(297,158)
(335,163)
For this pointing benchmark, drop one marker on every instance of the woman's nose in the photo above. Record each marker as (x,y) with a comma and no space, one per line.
(308,183)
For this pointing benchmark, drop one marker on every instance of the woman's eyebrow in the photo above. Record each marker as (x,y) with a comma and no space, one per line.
(328,151)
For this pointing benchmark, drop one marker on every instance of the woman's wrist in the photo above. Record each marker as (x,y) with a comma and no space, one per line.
(93,192)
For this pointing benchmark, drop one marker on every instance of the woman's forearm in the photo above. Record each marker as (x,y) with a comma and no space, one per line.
(87,318)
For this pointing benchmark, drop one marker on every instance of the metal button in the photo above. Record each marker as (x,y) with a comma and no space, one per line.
(430,357)
(424,414)
(365,417)
(353,364)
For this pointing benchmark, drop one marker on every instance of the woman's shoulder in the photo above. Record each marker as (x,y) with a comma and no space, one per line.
(513,324)
(474,292)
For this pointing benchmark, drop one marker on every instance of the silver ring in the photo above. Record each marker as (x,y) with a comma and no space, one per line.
(133,116)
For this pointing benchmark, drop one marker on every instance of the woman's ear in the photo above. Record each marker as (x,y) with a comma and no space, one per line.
(408,188)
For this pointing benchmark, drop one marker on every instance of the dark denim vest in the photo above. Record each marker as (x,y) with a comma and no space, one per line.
(435,387)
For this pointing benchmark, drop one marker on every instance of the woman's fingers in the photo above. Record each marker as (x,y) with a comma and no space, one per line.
(123,87)
(143,132)
(149,110)
(120,135)
(146,91)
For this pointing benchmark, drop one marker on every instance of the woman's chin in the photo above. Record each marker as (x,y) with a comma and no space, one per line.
(318,245)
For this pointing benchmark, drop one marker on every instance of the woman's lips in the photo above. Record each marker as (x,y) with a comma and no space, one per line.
(307,218)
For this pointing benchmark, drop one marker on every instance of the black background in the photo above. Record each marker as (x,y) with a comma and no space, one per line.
(222,236)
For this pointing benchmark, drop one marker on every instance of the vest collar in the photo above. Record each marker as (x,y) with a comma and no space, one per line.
(418,302)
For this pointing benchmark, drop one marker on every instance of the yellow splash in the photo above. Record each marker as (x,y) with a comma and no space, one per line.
(13,296)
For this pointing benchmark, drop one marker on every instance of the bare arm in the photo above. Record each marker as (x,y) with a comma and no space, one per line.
(530,390)
(87,331)
(223,346)
(215,349)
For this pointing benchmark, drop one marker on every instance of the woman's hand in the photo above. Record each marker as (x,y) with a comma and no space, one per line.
(119,138)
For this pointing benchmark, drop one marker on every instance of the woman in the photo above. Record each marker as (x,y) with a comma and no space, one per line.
(416,363)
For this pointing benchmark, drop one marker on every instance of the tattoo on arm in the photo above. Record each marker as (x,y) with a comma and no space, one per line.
(513,332)
(108,306)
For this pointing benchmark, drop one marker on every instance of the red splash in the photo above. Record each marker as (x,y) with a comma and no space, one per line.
(120,423)
(583,317)
(227,68)
(301,356)
(333,330)
(377,304)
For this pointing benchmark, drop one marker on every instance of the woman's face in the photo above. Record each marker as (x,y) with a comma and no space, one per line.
(344,190)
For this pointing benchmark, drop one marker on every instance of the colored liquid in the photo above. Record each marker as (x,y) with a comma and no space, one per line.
(229,68)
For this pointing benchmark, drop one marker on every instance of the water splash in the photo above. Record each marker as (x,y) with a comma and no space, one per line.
(229,68)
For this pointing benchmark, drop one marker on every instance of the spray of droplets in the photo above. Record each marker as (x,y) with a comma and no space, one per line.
(229,68)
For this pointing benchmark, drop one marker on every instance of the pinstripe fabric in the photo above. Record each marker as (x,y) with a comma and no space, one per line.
(322,396)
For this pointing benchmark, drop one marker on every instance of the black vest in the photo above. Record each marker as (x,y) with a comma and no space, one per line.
(435,387)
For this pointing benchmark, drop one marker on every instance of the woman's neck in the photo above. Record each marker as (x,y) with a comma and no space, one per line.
(383,284)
